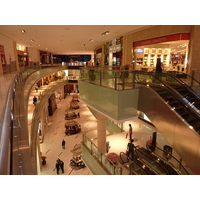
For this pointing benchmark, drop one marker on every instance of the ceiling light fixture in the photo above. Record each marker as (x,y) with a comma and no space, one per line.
(91,40)
(105,33)
(31,40)
(23,31)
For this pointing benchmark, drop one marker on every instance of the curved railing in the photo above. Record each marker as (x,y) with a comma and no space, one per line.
(116,79)
(6,130)
(8,123)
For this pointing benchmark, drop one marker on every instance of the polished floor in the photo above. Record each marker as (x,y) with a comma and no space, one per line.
(55,132)
(51,146)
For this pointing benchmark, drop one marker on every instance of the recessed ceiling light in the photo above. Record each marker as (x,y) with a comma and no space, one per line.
(105,33)
(91,40)
(31,40)
(23,31)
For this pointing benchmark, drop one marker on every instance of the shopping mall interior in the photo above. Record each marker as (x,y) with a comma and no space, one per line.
(89,99)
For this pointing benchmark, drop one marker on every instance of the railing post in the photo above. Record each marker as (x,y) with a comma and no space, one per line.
(133,79)
(115,80)
(191,84)
(100,77)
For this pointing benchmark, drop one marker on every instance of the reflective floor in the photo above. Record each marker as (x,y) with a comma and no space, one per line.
(51,146)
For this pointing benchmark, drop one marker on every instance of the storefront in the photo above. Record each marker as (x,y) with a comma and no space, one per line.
(45,58)
(22,56)
(172,49)
(113,52)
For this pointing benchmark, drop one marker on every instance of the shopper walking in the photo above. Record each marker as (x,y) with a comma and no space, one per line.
(130,150)
(34,100)
(130,132)
(62,166)
(63,144)
(57,167)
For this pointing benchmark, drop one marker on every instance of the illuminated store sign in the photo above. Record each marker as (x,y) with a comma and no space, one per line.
(169,38)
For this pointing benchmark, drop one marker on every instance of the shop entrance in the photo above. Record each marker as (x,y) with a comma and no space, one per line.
(173,51)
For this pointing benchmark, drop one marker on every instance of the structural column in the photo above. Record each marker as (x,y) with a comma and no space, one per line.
(101,132)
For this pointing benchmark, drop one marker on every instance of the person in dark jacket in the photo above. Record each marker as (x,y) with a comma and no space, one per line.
(34,100)
(57,166)
(159,66)
(63,144)
(62,166)
(130,149)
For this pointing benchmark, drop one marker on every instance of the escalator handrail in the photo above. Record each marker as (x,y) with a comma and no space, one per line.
(167,163)
(150,157)
(182,83)
(136,162)
(175,94)
(176,161)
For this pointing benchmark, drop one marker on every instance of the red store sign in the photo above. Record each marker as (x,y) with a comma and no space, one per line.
(168,38)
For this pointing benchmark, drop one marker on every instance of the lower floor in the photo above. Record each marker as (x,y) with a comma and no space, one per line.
(51,146)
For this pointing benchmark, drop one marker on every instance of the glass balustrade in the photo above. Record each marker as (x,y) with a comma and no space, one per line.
(115,79)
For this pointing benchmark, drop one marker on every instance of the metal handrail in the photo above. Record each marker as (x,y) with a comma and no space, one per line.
(6,129)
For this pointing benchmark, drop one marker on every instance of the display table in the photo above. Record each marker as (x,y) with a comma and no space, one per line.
(72,127)
(70,114)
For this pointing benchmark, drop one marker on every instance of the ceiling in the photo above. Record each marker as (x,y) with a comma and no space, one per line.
(65,39)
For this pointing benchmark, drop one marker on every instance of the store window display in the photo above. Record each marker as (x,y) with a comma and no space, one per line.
(172,50)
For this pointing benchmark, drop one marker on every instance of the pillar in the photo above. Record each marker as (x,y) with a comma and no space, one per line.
(101,132)
(194,51)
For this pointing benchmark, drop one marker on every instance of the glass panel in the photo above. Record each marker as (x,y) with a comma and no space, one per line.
(96,153)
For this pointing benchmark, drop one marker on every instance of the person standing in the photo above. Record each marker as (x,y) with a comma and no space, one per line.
(130,149)
(130,132)
(63,144)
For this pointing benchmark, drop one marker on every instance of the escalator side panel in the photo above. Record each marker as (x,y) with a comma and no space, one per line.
(184,140)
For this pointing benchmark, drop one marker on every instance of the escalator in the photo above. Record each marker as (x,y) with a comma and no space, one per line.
(179,104)
(182,99)
(173,108)
(137,166)
(159,165)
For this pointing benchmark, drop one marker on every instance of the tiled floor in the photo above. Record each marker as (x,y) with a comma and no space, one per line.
(52,148)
